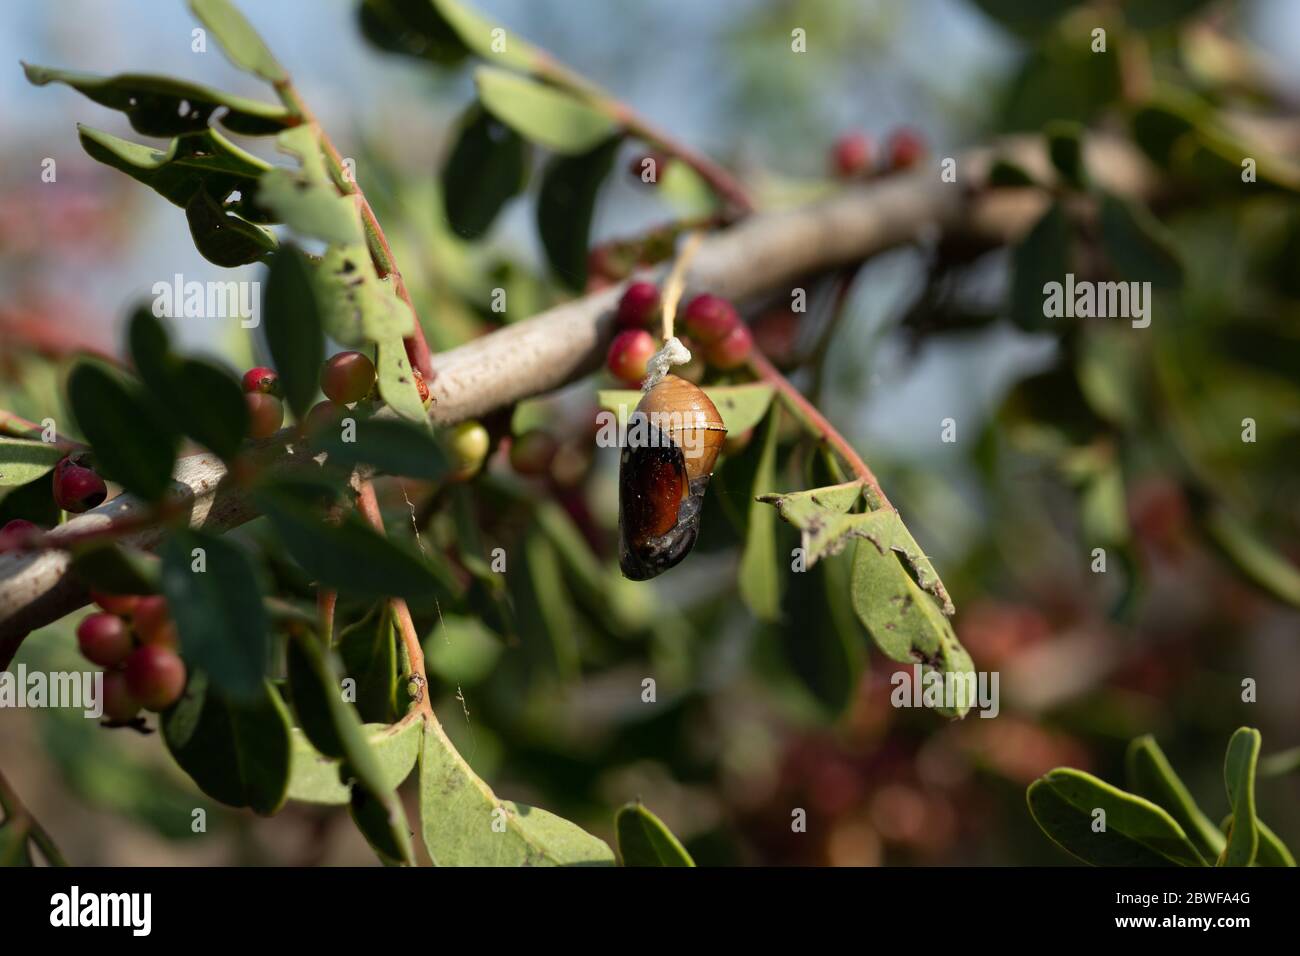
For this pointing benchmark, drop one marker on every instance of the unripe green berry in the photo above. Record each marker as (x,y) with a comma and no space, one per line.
(469,444)
(347,377)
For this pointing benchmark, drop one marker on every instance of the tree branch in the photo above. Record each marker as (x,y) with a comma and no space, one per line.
(764,252)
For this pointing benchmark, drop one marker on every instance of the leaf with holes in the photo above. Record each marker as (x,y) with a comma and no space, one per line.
(308,200)
(222,237)
(163,106)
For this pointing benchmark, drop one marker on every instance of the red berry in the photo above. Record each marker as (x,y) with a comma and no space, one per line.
(262,379)
(17,534)
(628,355)
(852,154)
(906,147)
(776,335)
(709,317)
(104,639)
(155,676)
(265,414)
(532,452)
(348,377)
(323,416)
(731,350)
(123,605)
(639,306)
(153,622)
(119,705)
(76,487)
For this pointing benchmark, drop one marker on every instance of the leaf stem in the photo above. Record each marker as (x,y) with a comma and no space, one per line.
(19,815)
(817,422)
(18,427)
(369,506)
(417,347)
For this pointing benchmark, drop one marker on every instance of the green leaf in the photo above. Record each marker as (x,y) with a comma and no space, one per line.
(1041,257)
(1005,174)
(1253,557)
(565,206)
(546,115)
(316,778)
(115,568)
(487,166)
(443,31)
(223,238)
(759,576)
(237,752)
(163,106)
(293,327)
(133,444)
(464,823)
(1064,802)
(1272,851)
(191,162)
(1139,246)
(359,307)
(1280,763)
(742,406)
(1103,508)
(1065,149)
(369,657)
(643,840)
(1239,778)
(22,461)
(1151,776)
(391,446)
(214,596)
(307,199)
(827,523)
(238,38)
(396,382)
(819,637)
(349,557)
(198,398)
(462,650)
(382,821)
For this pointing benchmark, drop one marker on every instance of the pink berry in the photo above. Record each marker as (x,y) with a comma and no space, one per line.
(262,379)
(323,416)
(709,317)
(119,705)
(628,355)
(123,605)
(104,639)
(731,350)
(155,676)
(776,335)
(906,147)
(639,306)
(348,377)
(76,487)
(265,414)
(153,622)
(852,155)
(17,534)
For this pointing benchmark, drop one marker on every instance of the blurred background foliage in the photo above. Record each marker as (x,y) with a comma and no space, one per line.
(1071,436)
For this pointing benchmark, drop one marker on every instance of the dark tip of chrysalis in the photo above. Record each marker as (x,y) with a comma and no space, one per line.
(650,557)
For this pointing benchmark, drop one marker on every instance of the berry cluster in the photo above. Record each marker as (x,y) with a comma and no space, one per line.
(711,324)
(345,378)
(854,154)
(134,639)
